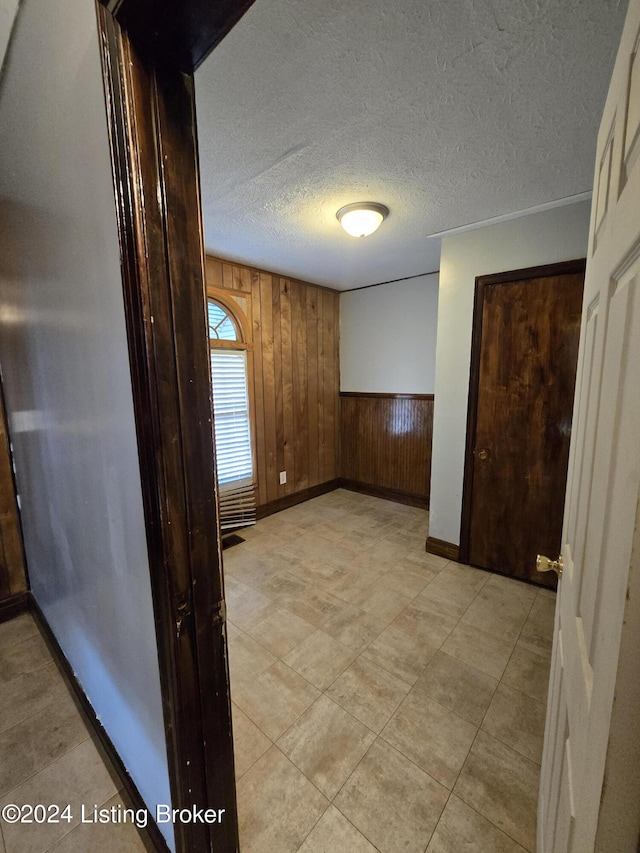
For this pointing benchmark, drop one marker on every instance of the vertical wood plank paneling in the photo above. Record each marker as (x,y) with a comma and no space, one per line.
(300,396)
(313,400)
(227,276)
(334,468)
(386,442)
(241,279)
(268,378)
(12,575)
(330,385)
(277,366)
(258,393)
(322,392)
(213,271)
(288,356)
(295,377)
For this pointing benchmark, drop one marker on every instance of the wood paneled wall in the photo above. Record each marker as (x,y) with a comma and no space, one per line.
(13,581)
(296,377)
(386,444)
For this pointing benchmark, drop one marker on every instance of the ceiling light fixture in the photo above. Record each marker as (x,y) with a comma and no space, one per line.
(362,218)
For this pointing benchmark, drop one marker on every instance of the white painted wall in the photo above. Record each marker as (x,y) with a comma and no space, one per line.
(388,337)
(63,352)
(542,238)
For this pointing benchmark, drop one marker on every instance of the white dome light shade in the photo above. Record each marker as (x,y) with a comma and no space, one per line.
(362,218)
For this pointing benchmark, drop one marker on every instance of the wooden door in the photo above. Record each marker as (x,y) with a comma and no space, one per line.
(594,699)
(525,349)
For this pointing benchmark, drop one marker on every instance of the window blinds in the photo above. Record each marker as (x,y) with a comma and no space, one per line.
(236,492)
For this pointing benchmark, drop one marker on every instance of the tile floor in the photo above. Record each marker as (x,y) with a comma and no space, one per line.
(47,755)
(383,698)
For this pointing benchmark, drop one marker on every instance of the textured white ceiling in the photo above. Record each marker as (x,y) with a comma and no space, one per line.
(447,111)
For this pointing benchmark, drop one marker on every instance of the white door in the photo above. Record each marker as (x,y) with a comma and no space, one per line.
(590,788)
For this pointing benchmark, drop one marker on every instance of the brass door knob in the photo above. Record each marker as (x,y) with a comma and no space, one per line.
(544,564)
(483,454)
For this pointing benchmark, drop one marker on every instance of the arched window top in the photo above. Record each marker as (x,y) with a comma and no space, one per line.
(222,326)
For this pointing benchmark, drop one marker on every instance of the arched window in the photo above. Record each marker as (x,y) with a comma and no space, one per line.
(222,327)
(232,424)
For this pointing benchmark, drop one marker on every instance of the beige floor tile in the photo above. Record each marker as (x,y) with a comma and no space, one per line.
(17,630)
(251,569)
(281,631)
(537,633)
(316,606)
(389,552)
(494,613)
(248,609)
(401,654)
(319,573)
(375,525)
(502,785)
(518,721)
(37,741)
(275,699)
(25,656)
(277,806)
(326,743)
(528,672)
(334,834)
(383,602)
(277,524)
(393,803)
(478,649)
(358,542)
(283,588)
(102,838)
(333,530)
(262,543)
(408,577)
(456,577)
(547,593)
(249,743)
(320,659)
(304,545)
(78,777)
(424,558)
(429,626)
(369,693)
(443,598)
(457,686)
(354,628)
(352,585)
(513,589)
(233,588)
(369,564)
(434,738)
(247,658)
(29,694)
(406,537)
(462,829)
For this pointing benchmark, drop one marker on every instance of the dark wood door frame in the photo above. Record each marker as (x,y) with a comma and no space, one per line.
(482,282)
(150,49)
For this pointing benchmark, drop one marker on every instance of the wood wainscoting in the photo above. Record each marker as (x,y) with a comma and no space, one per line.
(296,378)
(386,444)
(13,579)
